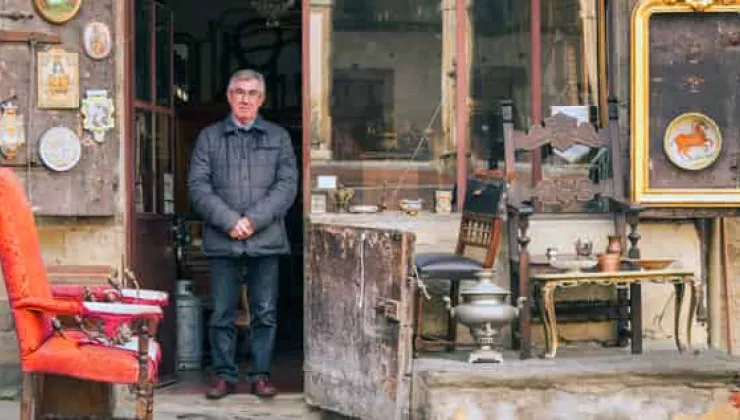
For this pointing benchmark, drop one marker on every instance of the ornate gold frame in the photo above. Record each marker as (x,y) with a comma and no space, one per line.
(42,10)
(640,105)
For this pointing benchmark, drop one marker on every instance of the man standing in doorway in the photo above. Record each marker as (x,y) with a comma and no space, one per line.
(243,179)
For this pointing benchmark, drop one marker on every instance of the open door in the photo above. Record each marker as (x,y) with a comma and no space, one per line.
(151,250)
(358,313)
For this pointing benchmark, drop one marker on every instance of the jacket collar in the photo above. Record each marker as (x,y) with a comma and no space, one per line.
(231,127)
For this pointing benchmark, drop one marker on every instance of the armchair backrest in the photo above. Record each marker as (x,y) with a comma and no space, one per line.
(480,224)
(21,261)
(582,173)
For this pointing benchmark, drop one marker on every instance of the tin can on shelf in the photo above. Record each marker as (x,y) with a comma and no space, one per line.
(443,202)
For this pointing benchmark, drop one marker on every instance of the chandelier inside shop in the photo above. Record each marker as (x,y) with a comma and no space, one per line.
(272,10)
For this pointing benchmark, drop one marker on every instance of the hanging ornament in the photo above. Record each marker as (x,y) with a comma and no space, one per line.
(12,136)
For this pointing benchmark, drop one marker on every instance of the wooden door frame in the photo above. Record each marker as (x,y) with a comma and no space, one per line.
(131,104)
(128,129)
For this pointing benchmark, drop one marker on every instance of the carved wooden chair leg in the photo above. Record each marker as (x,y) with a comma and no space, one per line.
(142,389)
(418,344)
(27,402)
(150,402)
(525,317)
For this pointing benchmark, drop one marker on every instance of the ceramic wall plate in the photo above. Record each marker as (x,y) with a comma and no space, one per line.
(60,149)
(692,141)
(97,40)
(57,11)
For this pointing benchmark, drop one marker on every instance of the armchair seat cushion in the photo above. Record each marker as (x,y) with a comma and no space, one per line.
(72,356)
(436,265)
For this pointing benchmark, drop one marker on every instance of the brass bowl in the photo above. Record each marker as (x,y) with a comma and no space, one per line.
(653,264)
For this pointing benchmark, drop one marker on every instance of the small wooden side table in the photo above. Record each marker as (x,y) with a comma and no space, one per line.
(621,279)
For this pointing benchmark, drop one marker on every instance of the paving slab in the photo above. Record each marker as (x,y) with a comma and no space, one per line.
(235,407)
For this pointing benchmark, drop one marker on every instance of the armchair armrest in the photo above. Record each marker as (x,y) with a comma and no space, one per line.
(79,293)
(121,311)
(51,306)
(104,293)
(145,297)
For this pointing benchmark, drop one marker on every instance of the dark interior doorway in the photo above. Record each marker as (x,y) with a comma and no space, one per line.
(209,45)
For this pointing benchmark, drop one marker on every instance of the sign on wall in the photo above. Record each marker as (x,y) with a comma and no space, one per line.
(58,75)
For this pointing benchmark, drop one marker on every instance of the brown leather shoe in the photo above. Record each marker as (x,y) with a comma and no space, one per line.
(219,390)
(262,387)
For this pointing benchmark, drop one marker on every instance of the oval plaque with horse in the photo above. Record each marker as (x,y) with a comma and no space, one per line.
(692,141)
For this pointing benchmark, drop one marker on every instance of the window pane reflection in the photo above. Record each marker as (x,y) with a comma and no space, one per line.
(500,71)
(570,72)
(143,49)
(387,137)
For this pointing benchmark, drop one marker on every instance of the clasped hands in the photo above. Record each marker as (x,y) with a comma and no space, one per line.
(242,230)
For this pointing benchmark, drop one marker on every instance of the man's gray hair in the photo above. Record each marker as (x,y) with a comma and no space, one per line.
(247,74)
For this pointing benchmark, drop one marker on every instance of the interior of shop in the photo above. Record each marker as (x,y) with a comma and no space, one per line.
(196,50)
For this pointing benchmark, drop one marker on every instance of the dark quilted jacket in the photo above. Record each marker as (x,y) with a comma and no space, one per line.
(236,172)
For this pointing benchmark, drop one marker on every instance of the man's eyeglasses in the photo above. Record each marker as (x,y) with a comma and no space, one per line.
(253,93)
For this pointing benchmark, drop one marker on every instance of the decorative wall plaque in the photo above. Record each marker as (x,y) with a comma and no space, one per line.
(60,149)
(97,40)
(57,11)
(12,135)
(684,126)
(58,79)
(692,141)
(97,111)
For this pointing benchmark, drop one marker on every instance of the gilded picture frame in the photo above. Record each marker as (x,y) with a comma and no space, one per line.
(682,82)
(57,11)
(58,79)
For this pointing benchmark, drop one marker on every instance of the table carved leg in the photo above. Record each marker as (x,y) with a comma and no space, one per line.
(547,300)
(694,287)
(680,290)
(693,308)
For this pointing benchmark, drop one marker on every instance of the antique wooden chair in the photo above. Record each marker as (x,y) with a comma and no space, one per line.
(591,183)
(480,227)
(45,346)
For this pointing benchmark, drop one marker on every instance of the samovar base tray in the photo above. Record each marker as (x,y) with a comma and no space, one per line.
(486,356)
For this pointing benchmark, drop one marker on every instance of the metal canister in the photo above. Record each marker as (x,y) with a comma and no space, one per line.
(189,327)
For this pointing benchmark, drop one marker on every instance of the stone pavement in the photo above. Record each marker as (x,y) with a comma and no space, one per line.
(235,407)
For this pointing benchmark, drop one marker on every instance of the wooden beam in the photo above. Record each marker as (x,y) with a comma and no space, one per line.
(26,36)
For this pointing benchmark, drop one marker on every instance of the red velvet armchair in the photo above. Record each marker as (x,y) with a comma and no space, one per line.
(46,347)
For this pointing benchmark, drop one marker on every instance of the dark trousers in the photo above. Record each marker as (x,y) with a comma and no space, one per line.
(227,276)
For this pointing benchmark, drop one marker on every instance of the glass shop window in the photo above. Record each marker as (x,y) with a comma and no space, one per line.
(570,54)
(500,65)
(385,121)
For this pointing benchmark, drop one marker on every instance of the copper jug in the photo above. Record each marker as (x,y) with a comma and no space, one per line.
(615,245)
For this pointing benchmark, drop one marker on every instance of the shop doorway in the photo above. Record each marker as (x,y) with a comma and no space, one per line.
(192,51)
